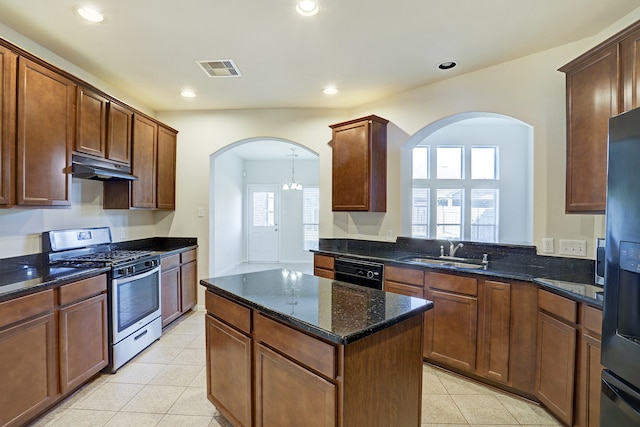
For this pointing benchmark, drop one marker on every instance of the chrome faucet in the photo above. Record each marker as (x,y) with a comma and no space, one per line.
(453,248)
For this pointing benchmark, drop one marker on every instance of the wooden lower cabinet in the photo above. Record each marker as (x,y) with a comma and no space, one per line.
(589,368)
(323,266)
(494,342)
(28,363)
(179,284)
(266,373)
(451,327)
(287,394)
(404,281)
(82,326)
(229,371)
(556,354)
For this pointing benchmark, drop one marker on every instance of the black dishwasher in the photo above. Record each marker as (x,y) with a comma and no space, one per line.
(359,272)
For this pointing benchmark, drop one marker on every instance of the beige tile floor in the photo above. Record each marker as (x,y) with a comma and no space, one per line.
(166,386)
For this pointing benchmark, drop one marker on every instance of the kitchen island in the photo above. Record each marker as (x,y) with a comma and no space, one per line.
(290,349)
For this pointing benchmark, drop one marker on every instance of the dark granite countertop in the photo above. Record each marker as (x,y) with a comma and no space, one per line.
(32,273)
(336,311)
(570,277)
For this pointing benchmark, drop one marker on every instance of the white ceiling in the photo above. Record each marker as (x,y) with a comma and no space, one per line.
(369,49)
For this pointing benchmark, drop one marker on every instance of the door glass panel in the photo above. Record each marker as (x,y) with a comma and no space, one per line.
(263,209)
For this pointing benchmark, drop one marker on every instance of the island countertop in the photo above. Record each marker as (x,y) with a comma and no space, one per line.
(336,311)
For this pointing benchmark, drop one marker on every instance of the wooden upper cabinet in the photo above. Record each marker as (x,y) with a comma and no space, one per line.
(92,123)
(592,97)
(145,155)
(8,62)
(601,83)
(359,178)
(45,135)
(119,123)
(166,182)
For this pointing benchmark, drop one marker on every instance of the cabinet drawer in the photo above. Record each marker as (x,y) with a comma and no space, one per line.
(82,289)
(317,355)
(323,261)
(592,319)
(409,276)
(452,283)
(557,305)
(188,256)
(232,313)
(169,262)
(25,307)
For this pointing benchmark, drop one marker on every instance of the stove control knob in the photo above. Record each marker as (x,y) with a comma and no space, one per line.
(370,274)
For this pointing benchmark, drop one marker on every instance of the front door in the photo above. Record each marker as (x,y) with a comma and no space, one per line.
(263,223)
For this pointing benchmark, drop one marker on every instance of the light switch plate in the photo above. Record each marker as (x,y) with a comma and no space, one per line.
(573,247)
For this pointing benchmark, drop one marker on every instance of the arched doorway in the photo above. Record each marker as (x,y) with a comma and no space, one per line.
(445,197)
(250,212)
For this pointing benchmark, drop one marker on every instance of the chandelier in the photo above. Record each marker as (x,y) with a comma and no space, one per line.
(293,185)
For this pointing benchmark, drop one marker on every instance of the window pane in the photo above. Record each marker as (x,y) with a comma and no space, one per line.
(449,160)
(449,211)
(420,213)
(483,162)
(310,216)
(484,215)
(263,209)
(421,163)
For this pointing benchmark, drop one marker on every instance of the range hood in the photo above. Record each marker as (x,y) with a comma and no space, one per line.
(100,170)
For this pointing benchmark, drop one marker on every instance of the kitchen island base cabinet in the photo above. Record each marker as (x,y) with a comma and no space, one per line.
(299,379)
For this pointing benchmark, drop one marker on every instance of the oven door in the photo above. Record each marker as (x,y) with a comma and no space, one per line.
(135,302)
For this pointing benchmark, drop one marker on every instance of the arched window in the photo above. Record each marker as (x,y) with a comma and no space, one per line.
(471,179)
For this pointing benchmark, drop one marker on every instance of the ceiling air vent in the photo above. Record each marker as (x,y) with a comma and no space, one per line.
(221,68)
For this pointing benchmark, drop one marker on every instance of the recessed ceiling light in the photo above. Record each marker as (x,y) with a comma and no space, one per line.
(90,14)
(447,65)
(188,94)
(330,90)
(307,7)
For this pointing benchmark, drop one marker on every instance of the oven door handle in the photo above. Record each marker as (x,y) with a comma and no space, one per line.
(618,397)
(137,276)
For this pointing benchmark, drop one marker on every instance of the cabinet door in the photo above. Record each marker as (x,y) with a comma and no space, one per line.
(28,370)
(494,342)
(170,281)
(188,285)
(359,168)
(119,133)
(83,341)
(166,182)
(591,371)
(556,366)
(451,329)
(92,123)
(279,382)
(592,97)
(229,372)
(143,191)
(8,62)
(46,132)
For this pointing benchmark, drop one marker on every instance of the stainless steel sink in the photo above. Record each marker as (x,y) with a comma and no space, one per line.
(445,263)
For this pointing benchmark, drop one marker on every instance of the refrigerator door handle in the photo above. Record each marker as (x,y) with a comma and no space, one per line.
(618,398)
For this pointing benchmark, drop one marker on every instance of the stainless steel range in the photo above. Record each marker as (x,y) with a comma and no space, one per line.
(134,286)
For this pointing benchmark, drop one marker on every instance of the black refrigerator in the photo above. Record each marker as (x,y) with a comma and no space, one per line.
(620,398)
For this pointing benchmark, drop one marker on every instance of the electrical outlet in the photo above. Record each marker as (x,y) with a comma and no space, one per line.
(200,212)
(123,233)
(389,234)
(547,245)
(573,247)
